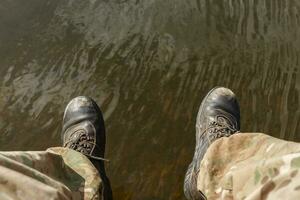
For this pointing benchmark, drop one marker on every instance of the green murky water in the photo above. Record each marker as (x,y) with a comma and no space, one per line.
(148,64)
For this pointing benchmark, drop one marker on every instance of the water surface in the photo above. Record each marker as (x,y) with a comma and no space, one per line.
(148,64)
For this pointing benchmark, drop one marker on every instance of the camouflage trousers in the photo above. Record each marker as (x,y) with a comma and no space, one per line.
(57,173)
(244,166)
(251,166)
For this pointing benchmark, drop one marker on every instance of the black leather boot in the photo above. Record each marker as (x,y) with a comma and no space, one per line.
(218,116)
(84,131)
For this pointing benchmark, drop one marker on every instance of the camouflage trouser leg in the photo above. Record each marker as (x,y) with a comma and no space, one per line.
(251,166)
(57,173)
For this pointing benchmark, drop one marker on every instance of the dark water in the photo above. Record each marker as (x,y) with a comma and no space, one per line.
(148,64)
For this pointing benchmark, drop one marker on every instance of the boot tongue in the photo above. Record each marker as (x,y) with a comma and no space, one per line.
(82,138)
(220,127)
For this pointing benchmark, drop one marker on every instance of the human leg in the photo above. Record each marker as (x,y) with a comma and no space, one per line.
(74,171)
(232,165)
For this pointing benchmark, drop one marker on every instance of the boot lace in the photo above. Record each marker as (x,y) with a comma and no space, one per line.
(80,141)
(220,127)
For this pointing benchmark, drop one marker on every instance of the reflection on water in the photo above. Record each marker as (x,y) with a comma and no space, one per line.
(148,64)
